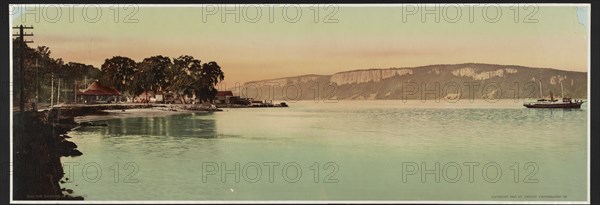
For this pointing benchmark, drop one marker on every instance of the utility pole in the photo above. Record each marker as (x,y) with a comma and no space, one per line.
(75,93)
(52,92)
(37,86)
(65,91)
(58,93)
(22,43)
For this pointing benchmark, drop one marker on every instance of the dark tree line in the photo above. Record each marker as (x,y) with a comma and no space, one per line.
(184,76)
(40,69)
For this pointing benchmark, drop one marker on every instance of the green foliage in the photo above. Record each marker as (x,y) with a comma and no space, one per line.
(184,76)
(152,73)
(190,77)
(210,74)
(118,71)
(40,68)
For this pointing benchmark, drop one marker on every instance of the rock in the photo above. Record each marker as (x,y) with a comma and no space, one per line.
(389,83)
(89,124)
(75,153)
(68,149)
(68,197)
(85,124)
(68,145)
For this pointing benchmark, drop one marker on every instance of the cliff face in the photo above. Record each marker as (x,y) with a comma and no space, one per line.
(366,76)
(458,81)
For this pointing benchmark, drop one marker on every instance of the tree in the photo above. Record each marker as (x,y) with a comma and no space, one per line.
(151,74)
(207,78)
(184,69)
(39,66)
(118,71)
(79,71)
(28,72)
(185,75)
(189,76)
(139,84)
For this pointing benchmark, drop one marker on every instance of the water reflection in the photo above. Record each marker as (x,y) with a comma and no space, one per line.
(362,137)
(557,114)
(199,125)
(160,137)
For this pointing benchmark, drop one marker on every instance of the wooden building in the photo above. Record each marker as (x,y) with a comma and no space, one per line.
(97,93)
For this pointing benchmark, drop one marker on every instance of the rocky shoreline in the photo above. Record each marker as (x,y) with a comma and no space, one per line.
(40,139)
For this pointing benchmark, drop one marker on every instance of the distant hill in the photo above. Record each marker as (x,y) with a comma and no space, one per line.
(449,82)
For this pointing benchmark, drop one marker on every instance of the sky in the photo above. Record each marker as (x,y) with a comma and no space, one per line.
(272,41)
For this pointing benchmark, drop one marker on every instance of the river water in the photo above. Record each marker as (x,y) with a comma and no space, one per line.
(350,150)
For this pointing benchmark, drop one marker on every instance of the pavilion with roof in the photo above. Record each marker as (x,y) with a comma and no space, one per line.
(97,93)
